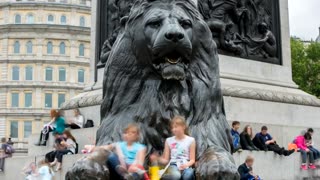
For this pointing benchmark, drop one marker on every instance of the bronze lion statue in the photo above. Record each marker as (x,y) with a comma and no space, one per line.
(165,63)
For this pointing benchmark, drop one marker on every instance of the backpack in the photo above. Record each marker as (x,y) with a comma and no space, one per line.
(89,124)
(9,149)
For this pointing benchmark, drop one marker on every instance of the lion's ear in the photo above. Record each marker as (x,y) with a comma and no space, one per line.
(124,20)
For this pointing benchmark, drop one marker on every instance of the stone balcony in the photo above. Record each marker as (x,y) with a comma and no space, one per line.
(42,84)
(48,59)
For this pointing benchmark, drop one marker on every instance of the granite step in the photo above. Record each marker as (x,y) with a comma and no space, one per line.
(267,165)
(83,137)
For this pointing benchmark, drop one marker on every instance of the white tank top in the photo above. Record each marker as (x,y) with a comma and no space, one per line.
(179,149)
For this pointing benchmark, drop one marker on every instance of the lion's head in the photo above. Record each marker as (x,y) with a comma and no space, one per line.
(164,63)
(166,35)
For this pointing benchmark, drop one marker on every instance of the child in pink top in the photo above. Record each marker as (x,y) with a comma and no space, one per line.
(301,142)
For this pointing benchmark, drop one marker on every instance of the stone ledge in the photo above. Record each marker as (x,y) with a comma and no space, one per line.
(269,95)
(268,165)
(92,98)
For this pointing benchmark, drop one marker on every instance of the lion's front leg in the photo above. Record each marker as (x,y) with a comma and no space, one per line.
(216,165)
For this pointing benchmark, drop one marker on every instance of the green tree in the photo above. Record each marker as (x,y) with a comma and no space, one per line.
(306,66)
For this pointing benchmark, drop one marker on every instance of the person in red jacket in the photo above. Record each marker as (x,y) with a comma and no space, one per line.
(301,142)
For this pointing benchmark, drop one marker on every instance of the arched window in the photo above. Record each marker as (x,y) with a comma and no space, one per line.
(16,47)
(82,21)
(81,76)
(30,19)
(63,19)
(62,48)
(17,19)
(49,48)
(15,73)
(81,50)
(29,47)
(50,19)
(29,73)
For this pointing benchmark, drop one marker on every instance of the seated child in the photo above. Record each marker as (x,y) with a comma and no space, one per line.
(301,142)
(127,162)
(179,151)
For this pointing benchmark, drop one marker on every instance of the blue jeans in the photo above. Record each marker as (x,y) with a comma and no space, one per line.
(173,173)
(112,163)
(304,155)
(316,153)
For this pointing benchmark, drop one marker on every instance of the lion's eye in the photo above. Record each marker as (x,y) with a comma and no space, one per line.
(186,24)
(154,24)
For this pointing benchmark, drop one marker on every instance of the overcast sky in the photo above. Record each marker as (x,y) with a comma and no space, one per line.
(304,18)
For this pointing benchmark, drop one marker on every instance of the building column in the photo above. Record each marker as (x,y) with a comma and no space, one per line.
(72,73)
(38,101)
(74,17)
(39,73)
(73,51)
(39,47)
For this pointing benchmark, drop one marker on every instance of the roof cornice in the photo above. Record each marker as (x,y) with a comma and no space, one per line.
(44,4)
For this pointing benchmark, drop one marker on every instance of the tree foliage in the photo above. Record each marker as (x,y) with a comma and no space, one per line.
(306,66)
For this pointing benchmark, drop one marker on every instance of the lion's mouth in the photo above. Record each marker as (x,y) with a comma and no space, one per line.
(173,61)
(172,65)
(173,57)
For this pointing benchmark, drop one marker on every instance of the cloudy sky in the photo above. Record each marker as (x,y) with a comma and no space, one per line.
(304,18)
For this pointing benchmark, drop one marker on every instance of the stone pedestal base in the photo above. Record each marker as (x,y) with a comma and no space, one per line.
(285,110)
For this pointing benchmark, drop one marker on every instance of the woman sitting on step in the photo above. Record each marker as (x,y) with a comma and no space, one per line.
(56,125)
(70,144)
(246,139)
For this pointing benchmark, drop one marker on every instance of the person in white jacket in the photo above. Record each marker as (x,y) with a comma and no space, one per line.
(78,121)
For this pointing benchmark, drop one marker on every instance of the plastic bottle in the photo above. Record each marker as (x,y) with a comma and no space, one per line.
(154,171)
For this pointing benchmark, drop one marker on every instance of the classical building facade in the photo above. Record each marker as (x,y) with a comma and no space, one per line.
(44,60)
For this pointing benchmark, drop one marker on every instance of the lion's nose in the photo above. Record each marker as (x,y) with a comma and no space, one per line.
(174,36)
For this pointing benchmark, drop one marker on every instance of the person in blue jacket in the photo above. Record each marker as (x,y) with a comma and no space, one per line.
(236,136)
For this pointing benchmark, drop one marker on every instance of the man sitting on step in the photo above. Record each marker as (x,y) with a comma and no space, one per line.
(264,141)
(245,170)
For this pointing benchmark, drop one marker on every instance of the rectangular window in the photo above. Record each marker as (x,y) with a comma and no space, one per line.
(48,100)
(15,100)
(15,73)
(29,72)
(61,99)
(49,74)
(28,100)
(62,74)
(14,129)
(81,76)
(27,129)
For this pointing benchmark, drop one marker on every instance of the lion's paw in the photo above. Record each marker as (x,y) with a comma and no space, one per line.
(216,166)
(86,169)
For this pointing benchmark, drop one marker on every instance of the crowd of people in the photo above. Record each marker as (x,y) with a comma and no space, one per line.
(263,141)
(127,158)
